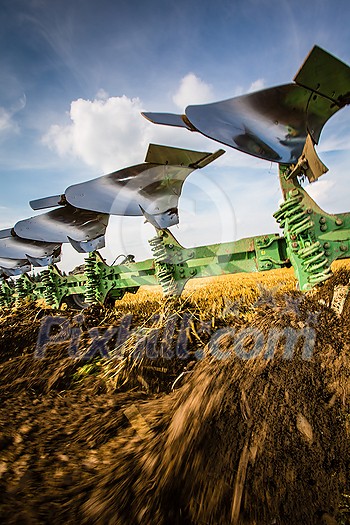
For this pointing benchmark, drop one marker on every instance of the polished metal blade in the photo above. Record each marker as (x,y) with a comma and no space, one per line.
(154,186)
(14,247)
(5,233)
(271,124)
(63,223)
(14,266)
(168,119)
(12,272)
(162,220)
(47,202)
(88,246)
(40,262)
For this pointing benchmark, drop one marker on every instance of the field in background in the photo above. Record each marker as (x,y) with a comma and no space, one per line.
(211,293)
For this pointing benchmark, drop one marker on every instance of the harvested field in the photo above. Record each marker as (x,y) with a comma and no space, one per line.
(256,432)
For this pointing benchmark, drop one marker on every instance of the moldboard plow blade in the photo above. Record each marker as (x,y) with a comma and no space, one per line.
(41,262)
(280,124)
(10,267)
(14,247)
(88,246)
(153,187)
(273,123)
(82,228)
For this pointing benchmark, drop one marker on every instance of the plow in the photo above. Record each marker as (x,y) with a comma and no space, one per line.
(281,124)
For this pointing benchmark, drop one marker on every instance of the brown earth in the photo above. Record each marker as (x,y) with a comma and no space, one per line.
(241,441)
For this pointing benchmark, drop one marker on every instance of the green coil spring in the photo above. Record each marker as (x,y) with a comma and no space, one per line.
(20,289)
(92,282)
(49,287)
(315,263)
(298,229)
(166,279)
(164,270)
(158,249)
(3,296)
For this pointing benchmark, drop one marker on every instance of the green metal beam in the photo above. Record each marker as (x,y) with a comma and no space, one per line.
(312,240)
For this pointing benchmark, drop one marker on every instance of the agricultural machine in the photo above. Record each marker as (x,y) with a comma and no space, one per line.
(281,124)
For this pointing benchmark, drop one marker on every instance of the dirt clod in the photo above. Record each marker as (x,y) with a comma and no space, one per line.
(256,432)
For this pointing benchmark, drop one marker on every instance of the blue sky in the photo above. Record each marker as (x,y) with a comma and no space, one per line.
(76,74)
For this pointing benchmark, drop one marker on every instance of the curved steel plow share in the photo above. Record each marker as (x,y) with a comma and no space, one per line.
(84,229)
(273,124)
(151,189)
(36,252)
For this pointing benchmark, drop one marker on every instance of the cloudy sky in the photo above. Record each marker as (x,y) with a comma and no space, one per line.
(75,75)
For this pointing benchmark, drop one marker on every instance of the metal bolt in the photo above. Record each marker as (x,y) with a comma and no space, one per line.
(327,253)
(309,211)
(338,222)
(343,248)
(323,227)
(170,246)
(322,220)
(326,245)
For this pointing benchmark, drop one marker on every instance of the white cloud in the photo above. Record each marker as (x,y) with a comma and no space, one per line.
(192,90)
(109,133)
(102,94)
(103,133)
(257,85)
(6,121)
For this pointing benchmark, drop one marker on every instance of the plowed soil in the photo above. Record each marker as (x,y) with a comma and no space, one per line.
(244,439)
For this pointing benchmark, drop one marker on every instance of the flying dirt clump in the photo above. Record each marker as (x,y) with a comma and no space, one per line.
(244,441)
(257,434)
